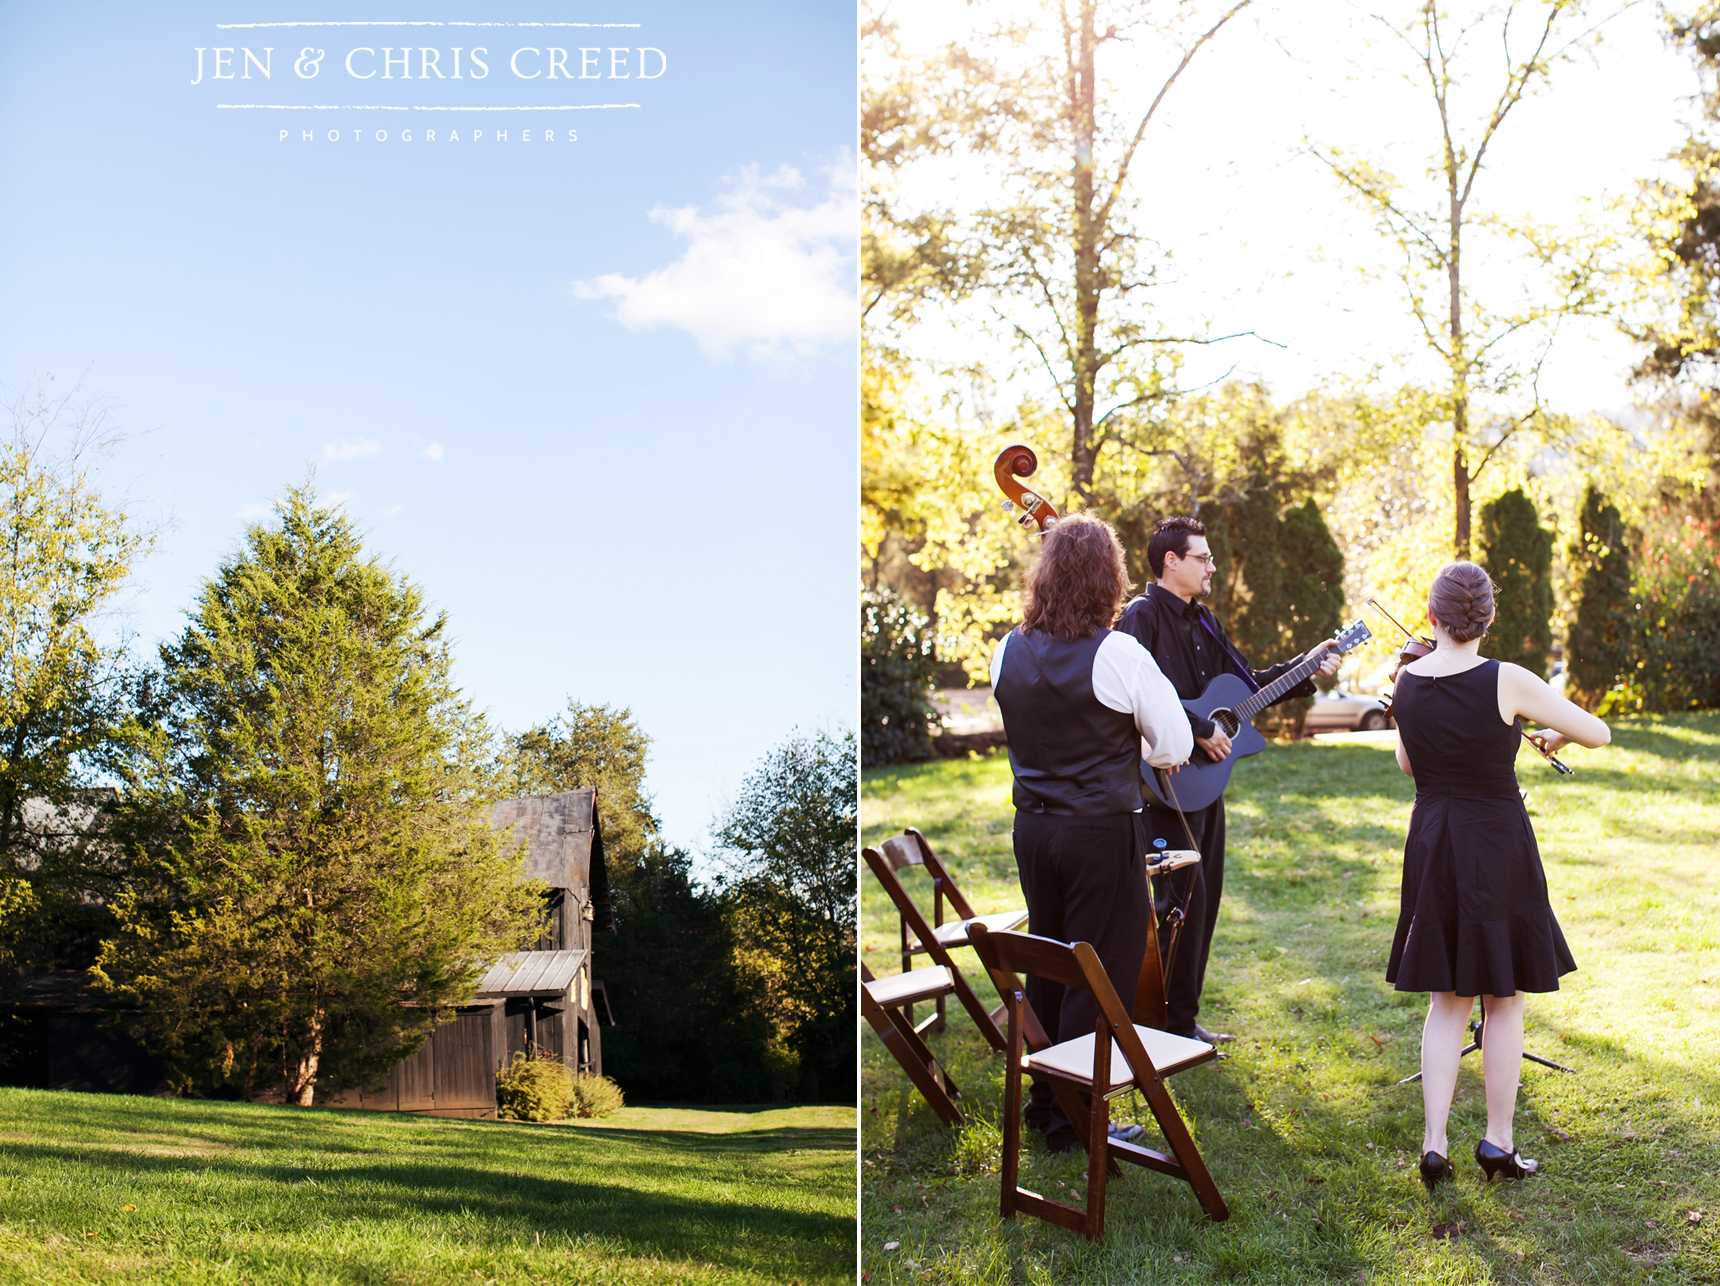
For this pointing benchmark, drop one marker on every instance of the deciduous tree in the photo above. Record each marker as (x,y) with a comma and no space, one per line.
(1053,249)
(594,745)
(66,551)
(791,883)
(1492,355)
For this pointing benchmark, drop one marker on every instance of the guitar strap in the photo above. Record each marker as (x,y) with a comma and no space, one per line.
(1230,653)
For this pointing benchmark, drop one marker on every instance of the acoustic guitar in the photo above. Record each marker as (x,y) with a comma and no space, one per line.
(1229,703)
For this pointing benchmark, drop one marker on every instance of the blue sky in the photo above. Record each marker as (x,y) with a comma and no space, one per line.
(597,397)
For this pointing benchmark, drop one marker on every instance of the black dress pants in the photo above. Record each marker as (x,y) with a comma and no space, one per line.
(1202,885)
(1085,880)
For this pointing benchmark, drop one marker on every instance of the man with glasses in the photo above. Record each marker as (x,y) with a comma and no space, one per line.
(1191,649)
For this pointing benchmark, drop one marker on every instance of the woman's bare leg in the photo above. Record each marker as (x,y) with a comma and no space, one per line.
(1441,1045)
(1502,1064)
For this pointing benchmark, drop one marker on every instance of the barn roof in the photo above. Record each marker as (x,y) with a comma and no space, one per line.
(563,844)
(532,973)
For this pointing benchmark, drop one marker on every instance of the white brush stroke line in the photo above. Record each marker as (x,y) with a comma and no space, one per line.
(248,26)
(577,107)
(374,107)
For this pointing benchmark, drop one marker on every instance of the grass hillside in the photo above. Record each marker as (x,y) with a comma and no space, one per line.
(1308,1135)
(114,1189)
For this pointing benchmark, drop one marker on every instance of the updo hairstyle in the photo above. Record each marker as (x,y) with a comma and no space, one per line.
(1461,600)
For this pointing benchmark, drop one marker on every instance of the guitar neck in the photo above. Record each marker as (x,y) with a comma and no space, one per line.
(1258,701)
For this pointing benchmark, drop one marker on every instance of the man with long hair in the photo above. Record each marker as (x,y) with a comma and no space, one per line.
(1078,699)
(1191,649)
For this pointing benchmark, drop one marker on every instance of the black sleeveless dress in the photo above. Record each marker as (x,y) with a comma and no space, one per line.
(1474,917)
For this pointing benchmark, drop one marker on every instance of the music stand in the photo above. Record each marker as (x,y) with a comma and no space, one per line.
(1475,1026)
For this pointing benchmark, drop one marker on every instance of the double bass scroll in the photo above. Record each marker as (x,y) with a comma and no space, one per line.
(1037,513)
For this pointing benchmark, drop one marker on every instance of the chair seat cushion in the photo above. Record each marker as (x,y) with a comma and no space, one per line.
(1073,1059)
(911,988)
(955,933)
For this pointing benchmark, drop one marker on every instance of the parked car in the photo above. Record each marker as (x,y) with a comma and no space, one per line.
(1341,711)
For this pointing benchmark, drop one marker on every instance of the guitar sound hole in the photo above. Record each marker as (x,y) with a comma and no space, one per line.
(1228,721)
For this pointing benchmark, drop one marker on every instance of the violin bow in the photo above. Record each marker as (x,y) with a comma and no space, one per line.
(1565,770)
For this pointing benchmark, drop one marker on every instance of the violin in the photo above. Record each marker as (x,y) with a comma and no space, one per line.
(1037,513)
(1415,648)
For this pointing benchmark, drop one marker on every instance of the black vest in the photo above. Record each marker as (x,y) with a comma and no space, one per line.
(1071,753)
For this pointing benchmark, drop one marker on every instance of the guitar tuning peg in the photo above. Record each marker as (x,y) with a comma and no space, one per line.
(1008,505)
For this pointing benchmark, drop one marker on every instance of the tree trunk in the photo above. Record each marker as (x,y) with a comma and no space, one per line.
(1084,343)
(1459,486)
(302,1075)
(1459,370)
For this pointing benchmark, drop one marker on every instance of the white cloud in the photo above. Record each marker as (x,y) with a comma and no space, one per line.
(351,450)
(433,452)
(758,273)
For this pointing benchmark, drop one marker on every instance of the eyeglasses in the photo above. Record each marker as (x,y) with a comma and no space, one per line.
(1205,560)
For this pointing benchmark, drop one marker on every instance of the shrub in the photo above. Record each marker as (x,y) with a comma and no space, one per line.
(535,1087)
(1599,643)
(596,1095)
(1518,555)
(1675,624)
(896,665)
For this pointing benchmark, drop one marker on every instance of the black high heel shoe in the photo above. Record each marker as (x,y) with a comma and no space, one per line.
(1434,1169)
(1502,1164)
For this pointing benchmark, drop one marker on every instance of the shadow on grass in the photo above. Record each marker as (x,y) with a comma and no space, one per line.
(1320,1173)
(720,1230)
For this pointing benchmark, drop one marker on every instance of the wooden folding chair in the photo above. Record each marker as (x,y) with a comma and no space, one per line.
(881,1000)
(935,938)
(1131,1057)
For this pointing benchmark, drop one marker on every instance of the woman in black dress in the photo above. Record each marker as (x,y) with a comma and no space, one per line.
(1475,919)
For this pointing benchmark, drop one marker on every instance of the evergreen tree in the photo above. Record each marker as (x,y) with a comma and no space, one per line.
(1287,590)
(686,1028)
(1313,578)
(1518,555)
(318,879)
(1258,612)
(1598,650)
(896,669)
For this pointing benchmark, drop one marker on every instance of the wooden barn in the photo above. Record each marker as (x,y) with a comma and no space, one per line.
(546,998)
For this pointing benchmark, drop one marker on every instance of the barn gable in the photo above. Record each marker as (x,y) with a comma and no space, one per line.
(562,845)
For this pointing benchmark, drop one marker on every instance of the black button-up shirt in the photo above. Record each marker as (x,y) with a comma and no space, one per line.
(1177,634)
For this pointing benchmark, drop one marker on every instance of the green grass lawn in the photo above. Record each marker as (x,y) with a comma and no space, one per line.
(1304,1127)
(115,1189)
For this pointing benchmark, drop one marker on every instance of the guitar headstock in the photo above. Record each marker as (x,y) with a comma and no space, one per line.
(1353,635)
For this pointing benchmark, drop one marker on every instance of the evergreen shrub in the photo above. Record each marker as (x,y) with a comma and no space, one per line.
(534,1087)
(1292,589)
(1598,645)
(897,661)
(596,1096)
(1518,555)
